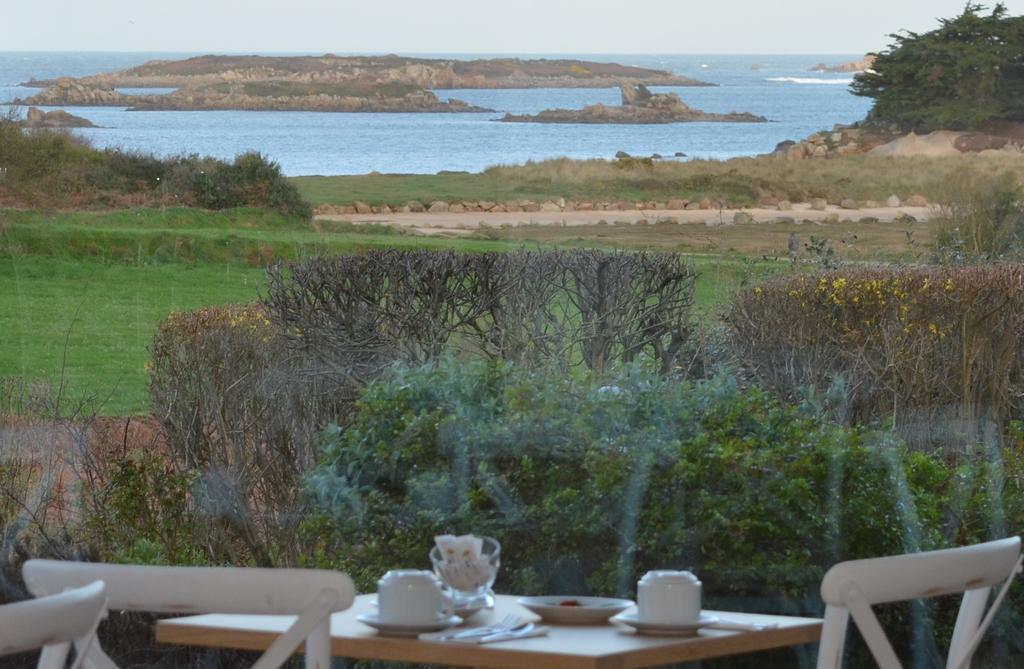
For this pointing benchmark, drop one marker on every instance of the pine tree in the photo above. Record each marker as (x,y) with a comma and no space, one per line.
(967,71)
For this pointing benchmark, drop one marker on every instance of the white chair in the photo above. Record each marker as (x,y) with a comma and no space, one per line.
(851,588)
(52,624)
(310,594)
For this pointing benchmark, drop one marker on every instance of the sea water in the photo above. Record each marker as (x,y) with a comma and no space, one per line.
(796,101)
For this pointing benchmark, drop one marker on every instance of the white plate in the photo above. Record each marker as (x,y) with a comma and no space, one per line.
(588,611)
(407,629)
(665,629)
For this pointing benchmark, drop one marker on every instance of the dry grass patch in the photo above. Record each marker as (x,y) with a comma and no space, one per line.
(736,182)
(849,240)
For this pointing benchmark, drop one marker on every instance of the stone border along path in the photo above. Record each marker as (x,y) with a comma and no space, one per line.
(469,222)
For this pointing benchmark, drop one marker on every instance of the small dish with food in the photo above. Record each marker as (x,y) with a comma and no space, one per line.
(575,610)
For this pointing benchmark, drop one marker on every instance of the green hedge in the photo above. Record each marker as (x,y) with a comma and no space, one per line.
(588,483)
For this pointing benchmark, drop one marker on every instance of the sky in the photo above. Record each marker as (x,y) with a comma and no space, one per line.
(467,26)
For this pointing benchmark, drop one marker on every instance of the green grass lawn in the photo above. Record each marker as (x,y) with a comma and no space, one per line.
(89,322)
(400,188)
(247,236)
(81,294)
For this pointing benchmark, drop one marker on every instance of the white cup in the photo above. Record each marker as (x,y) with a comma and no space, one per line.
(411,596)
(668,597)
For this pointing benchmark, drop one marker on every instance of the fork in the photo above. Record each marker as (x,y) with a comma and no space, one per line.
(507,623)
(522,629)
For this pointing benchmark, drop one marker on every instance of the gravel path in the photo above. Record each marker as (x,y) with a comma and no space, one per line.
(469,222)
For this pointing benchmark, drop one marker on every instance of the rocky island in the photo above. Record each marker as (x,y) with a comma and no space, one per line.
(331,83)
(37,118)
(638,106)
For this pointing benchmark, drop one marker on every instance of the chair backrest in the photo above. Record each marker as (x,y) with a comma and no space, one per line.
(851,588)
(310,594)
(52,623)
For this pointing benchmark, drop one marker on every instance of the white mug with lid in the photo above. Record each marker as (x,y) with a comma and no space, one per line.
(668,597)
(412,596)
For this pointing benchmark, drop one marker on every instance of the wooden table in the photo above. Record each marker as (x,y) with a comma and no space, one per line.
(566,647)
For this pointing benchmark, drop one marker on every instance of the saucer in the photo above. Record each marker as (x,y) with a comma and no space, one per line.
(665,629)
(407,629)
(464,608)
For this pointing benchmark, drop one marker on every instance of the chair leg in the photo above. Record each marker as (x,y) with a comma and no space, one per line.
(318,647)
(95,658)
(972,608)
(54,656)
(833,637)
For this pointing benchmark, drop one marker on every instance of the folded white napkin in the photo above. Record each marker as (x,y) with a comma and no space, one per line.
(739,626)
(463,565)
(465,547)
(506,636)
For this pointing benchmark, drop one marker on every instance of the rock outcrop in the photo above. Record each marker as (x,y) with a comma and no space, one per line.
(68,91)
(204,99)
(37,118)
(939,143)
(992,138)
(249,98)
(861,65)
(639,106)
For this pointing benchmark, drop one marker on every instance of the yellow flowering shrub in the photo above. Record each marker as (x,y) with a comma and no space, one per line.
(937,351)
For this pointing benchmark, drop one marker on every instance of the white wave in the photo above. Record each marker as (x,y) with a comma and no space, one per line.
(811,80)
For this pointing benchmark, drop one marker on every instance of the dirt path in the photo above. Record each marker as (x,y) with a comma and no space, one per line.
(467,223)
(853,234)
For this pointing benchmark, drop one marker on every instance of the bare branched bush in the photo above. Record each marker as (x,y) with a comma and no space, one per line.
(40,440)
(629,304)
(77,487)
(238,412)
(357,314)
(518,301)
(937,352)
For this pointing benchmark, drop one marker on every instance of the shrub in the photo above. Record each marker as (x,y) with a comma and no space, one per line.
(238,414)
(75,487)
(31,503)
(136,504)
(589,482)
(936,352)
(251,180)
(41,433)
(240,391)
(357,314)
(981,218)
(59,168)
